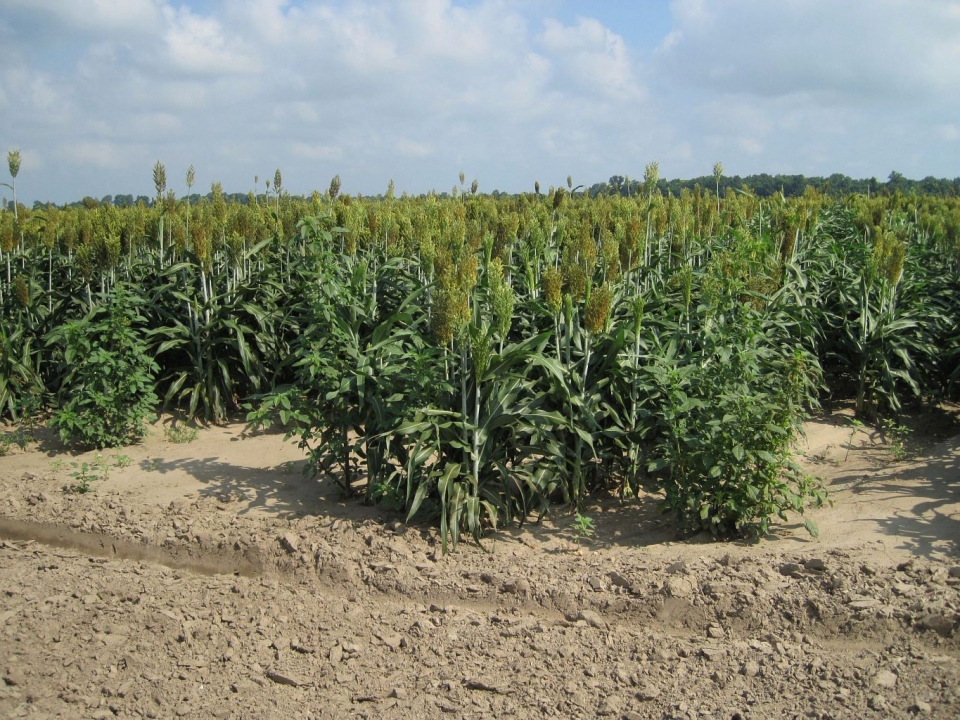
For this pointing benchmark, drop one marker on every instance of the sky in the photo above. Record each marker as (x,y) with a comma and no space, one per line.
(509,92)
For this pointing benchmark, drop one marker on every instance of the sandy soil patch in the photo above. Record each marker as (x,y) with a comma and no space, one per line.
(209,579)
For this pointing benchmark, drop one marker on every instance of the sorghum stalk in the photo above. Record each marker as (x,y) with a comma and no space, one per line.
(634,388)
(160,183)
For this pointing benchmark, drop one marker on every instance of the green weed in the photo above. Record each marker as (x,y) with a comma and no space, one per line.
(108,391)
(583,527)
(122,461)
(181,434)
(83,475)
(29,419)
(898,436)
(855,427)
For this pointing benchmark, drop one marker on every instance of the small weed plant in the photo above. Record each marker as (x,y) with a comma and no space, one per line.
(122,461)
(855,427)
(102,466)
(181,434)
(583,527)
(28,408)
(898,436)
(388,496)
(83,475)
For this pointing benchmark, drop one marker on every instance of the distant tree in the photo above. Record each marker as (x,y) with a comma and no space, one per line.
(616,185)
(897,182)
(839,184)
(792,185)
(931,186)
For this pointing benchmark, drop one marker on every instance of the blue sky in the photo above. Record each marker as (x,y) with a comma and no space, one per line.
(93,92)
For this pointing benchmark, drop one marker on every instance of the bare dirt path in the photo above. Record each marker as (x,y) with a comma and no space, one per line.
(209,579)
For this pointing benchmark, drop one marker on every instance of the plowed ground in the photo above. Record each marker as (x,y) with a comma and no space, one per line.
(209,579)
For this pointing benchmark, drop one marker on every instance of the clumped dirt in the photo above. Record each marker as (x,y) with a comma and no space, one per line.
(210,580)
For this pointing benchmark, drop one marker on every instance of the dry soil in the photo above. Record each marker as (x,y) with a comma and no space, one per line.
(209,579)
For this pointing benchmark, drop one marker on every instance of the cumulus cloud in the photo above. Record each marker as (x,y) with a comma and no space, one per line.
(316,152)
(94,17)
(843,52)
(413,89)
(949,132)
(593,56)
(198,45)
(101,154)
(800,84)
(411,148)
(508,91)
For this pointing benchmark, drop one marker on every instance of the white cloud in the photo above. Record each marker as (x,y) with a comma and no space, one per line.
(813,86)
(33,94)
(101,154)
(188,97)
(436,30)
(403,89)
(304,112)
(97,17)
(154,124)
(316,152)
(198,45)
(420,89)
(691,13)
(593,56)
(949,132)
(411,148)
(750,145)
(842,52)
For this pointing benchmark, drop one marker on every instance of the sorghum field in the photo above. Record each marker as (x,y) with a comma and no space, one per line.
(552,452)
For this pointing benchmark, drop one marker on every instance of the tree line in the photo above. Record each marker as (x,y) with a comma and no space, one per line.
(762,185)
(765,185)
